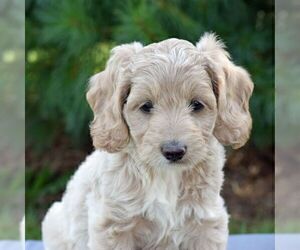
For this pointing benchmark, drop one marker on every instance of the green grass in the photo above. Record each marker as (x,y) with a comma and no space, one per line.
(257,226)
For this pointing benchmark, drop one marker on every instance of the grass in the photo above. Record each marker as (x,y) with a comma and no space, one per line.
(257,226)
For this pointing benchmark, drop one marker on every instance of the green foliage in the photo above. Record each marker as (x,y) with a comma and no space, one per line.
(67,41)
(42,189)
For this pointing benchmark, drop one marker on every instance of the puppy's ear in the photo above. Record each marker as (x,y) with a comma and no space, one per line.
(106,96)
(233,88)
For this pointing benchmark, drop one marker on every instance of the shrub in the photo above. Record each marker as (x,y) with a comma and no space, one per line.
(67,41)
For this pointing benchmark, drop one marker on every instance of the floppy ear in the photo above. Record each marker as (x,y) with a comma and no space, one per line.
(106,95)
(233,88)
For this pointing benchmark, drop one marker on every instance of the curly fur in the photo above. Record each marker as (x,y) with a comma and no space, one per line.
(126,195)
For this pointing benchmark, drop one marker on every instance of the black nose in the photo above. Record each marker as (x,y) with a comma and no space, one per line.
(173,150)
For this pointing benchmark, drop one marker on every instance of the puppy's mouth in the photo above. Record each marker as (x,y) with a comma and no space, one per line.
(178,163)
(184,163)
(181,161)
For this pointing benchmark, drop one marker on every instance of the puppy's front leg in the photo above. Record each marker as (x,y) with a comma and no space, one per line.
(104,239)
(106,233)
(209,235)
(164,244)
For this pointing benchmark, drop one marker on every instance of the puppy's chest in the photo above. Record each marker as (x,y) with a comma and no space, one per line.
(160,205)
(169,204)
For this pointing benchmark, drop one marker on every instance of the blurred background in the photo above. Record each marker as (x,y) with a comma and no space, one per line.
(68,41)
(12,121)
(287,116)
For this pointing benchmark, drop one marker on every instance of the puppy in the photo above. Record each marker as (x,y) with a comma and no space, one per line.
(161,115)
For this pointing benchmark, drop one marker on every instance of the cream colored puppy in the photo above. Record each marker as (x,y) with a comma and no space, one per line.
(161,113)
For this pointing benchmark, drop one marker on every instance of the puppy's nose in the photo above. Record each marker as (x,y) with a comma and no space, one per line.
(173,150)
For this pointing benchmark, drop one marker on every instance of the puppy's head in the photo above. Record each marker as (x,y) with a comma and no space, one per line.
(169,100)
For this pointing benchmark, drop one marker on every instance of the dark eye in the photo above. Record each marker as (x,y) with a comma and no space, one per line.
(196,105)
(146,107)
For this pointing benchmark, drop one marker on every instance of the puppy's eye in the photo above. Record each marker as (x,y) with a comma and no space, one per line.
(196,105)
(146,107)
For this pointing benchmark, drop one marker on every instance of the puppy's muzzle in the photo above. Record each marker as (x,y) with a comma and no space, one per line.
(173,150)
